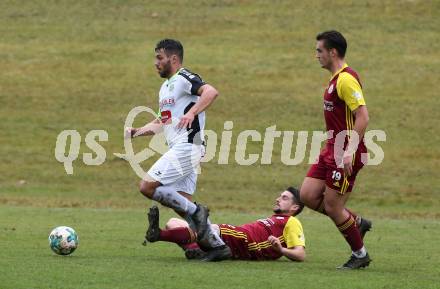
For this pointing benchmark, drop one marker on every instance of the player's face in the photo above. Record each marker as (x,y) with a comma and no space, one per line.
(163,64)
(284,203)
(323,55)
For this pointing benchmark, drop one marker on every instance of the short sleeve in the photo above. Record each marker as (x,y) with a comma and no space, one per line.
(194,79)
(196,83)
(293,233)
(350,91)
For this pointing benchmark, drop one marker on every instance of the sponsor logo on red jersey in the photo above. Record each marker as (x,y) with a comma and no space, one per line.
(328,105)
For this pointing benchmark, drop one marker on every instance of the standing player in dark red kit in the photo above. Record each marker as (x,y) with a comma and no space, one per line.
(329,182)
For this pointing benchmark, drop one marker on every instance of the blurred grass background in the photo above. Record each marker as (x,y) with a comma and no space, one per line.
(83,65)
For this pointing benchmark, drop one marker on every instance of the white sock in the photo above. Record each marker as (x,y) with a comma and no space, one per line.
(169,197)
(362,252)
(214,240)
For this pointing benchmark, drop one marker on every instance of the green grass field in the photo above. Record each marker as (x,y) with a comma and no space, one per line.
(83,65)
(110,255)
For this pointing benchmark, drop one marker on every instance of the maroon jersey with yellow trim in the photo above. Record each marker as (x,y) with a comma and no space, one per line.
(338,108)
(249,241)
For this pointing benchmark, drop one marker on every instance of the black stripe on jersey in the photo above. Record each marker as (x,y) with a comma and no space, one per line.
(195,80)
(194,135)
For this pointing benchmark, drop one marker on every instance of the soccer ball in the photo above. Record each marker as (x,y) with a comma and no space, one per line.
(63,240)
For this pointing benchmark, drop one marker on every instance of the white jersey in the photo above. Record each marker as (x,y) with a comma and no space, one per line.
(176,97)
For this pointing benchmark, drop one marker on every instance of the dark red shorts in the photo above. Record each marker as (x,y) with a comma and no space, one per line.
(237,240)
(326,169)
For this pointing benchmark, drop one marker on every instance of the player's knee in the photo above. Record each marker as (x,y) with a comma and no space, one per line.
(175,223)
(333,209)
(311,192)
(146,189)
(215,228)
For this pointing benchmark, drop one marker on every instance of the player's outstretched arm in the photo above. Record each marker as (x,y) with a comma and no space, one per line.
(207,96)
(297,253)
(151,128)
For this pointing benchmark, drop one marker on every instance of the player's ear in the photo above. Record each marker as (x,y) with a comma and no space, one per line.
(294,208)
(175,59)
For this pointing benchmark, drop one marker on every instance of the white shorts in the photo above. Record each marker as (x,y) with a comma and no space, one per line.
(178,167)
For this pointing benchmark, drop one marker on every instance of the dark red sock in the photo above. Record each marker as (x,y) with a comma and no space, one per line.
(355,217)
(190,246)
(351,233)
(180,235)
(321,209)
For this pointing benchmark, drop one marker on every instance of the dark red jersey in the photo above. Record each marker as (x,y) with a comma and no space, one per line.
(249,241)
(342,96)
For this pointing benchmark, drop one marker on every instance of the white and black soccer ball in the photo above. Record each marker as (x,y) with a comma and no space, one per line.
(63,240)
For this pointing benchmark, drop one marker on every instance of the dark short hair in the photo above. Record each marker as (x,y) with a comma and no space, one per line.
(170,47)
(333,39)
(296,199)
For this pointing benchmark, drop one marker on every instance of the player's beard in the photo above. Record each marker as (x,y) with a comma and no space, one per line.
(166,70)
(277,210)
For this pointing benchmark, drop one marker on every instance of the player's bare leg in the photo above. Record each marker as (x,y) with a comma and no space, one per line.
(192,250)
(180,202)
(148,186)
(195,215)
(175,223)
(167,196)
(312,195)
(334,203)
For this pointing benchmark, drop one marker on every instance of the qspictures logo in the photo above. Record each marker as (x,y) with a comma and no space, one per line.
(217,145)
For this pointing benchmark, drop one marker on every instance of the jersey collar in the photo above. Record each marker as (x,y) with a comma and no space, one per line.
(339,71)
(174,75)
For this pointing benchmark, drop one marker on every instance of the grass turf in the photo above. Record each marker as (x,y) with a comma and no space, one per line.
(110,255)
(82,65)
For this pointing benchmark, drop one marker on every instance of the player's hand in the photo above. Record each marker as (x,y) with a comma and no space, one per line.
(186,120)
(275,242)
(129,132)
(348,164)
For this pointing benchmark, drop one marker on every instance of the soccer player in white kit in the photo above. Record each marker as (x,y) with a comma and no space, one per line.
(171,181)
